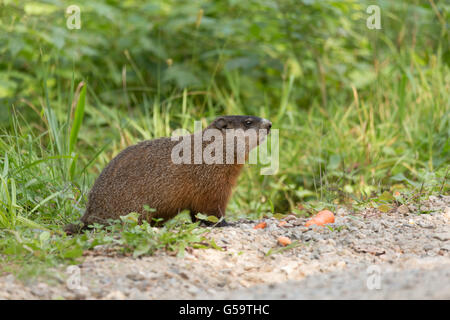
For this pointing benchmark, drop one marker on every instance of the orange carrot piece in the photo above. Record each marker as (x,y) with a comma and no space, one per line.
(261,225)
(284,241)
(323,217)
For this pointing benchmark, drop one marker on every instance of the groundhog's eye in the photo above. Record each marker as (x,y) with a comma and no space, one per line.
(248,122)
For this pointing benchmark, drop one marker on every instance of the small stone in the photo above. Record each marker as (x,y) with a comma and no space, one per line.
(403,209)
(40,290)
(193,290)
(290,217)
(426,225)
(135,276)
(296,235)
(298,222)
(184,275)
(327,249)
(357,224)
(385,224)
(306,237)
(315,256)
(99,247)
(81,294)
(375,226)
(9,278)
(115,295)
(428,247)
(332,242)
(447,213)
(37,292)
(341,212)
(442,236)
(136,294)
(98,291)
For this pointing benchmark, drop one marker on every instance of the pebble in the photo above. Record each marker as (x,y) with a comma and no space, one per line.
(40,290)
(135,276)
(442,236)
(426,225)
(447,213)
(115,295)
(306,237)
(403,209)
(136,294)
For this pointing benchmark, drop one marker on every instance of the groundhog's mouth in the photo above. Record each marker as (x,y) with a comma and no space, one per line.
(267,125)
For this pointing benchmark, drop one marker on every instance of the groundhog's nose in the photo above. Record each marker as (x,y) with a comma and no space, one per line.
(267,124)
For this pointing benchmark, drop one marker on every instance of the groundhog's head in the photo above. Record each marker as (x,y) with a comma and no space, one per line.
(240,134)
(241,122)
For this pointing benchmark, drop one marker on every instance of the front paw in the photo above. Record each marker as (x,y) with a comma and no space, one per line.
(220,224)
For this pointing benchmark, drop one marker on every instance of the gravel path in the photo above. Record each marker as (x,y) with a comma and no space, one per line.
(372,255)
(425,278)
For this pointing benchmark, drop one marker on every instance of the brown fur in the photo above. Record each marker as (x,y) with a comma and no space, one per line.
(144,174)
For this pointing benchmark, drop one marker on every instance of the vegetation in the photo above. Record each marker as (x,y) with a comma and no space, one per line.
(360,111)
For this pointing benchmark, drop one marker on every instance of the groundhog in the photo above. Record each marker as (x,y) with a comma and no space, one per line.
(150,175)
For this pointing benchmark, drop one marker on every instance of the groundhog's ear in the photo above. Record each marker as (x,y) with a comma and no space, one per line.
(220,123)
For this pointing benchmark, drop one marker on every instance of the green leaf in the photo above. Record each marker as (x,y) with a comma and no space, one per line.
(334,162)
(279,250)
(302,193)
(386,196)
(201,216)
(279,216)
(213,219)
(384,208)
(78,119)
(73,253)
(141,249)
(399,177)
(132,217)
(214,245)
(44,236)
(181,250)
(148,209)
